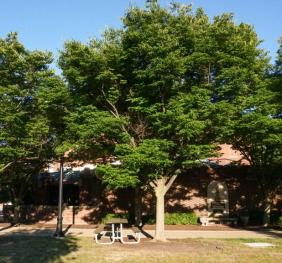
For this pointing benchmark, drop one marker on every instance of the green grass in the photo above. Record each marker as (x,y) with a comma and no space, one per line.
(188,218)
(34,249)
(108,217)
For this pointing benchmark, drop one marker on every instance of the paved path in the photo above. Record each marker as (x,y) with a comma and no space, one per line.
(170,234)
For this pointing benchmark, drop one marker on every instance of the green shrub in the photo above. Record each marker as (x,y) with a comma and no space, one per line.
(276,218)
(280,221)
(149,219)
(256,217)
(108,217)
(188,218)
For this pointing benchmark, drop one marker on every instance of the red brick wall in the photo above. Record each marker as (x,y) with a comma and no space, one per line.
(188,193)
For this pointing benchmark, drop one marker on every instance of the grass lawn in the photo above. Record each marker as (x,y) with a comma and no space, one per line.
(31,249)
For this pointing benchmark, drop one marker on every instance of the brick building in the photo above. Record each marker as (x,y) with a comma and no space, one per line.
(87,200)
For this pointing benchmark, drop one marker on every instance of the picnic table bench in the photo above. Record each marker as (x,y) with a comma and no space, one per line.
(205,221)
(114,227)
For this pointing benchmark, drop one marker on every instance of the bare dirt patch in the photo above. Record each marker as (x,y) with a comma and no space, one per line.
(154,250)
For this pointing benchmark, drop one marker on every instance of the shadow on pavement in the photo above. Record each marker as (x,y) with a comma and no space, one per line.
(146,234)
(5,227)
(268,232)
(273,232)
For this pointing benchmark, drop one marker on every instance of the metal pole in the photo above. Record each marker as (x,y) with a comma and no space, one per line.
(59,229)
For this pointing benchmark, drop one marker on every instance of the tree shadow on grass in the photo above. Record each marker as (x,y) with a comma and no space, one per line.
(267,231)
(35,247)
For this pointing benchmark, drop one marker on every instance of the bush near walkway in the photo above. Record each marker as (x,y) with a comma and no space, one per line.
(189,218)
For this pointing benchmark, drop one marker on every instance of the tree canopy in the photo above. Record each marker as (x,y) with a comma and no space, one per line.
(33,102)
(162,91)
(158,94)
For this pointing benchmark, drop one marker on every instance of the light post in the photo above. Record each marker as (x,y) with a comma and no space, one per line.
(59,228)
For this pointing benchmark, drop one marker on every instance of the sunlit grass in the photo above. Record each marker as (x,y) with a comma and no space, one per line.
(30,249)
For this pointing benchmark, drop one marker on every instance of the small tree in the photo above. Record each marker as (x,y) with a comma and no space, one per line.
(33,101)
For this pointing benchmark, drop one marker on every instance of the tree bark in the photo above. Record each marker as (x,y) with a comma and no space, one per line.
(137,206)
(17,197)
(160,227)
(17,211)
(266,197)
(161,186)
(267,210)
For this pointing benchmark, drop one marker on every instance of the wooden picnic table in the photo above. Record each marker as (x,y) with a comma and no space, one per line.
(117,221)
(117,231)
(117,228)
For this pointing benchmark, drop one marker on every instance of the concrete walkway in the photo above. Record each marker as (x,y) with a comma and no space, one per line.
(33,230)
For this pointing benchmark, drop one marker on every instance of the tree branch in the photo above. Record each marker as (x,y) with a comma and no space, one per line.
(19,161)
(115,113)
(171,180)
(7,165)
(114,110)
(153,184)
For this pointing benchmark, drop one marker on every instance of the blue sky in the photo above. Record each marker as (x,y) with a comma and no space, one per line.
(46,24)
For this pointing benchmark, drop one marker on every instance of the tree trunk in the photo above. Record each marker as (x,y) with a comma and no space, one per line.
(17,211)
(138,206)
(161,186)
(267,210)
(160,227)
(17,197)
(266,197)
(266,215)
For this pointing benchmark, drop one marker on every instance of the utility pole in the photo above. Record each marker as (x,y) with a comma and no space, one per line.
(59,228)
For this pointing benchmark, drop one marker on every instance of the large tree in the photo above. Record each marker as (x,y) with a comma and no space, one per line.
(149,93)
(134,101)
(276,78)
(254,124)
(33,103)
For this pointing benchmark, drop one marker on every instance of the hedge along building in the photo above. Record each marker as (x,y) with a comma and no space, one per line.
(87,200)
